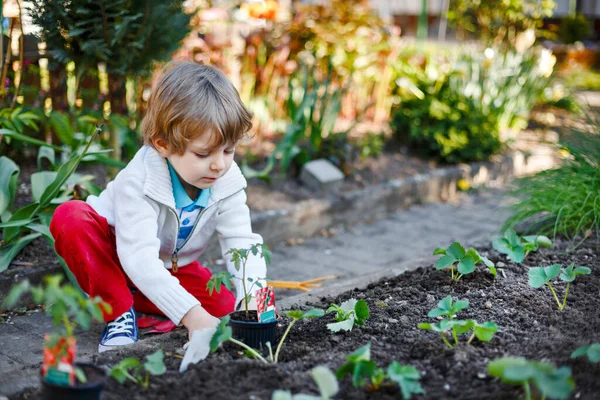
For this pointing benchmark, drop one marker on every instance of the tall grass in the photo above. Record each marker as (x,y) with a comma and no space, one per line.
(564,201)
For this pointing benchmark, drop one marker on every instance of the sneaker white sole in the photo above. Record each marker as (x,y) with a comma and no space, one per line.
(102,348)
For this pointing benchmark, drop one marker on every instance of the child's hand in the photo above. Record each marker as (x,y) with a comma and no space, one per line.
(198,318)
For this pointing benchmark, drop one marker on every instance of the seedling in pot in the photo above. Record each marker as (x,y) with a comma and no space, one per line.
(131,368)
(325,380)
(517,247)
(540,276)
(349,313)
(592,352)
(239,257)
(446,308)
(70,309)
(364,371)
(223,334)
(550,382)
(460,261)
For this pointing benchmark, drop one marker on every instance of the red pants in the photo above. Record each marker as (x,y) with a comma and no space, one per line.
(87,244)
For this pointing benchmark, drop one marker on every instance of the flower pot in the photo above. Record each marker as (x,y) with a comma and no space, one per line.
(253,333)
(91,390)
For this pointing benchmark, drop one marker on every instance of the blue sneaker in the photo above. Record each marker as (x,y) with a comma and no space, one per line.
(119,332)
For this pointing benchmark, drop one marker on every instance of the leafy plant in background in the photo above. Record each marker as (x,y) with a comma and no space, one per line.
(566,200)
(550,382)
(446,308)
(540,276)
(31,221)
(349,313)
(132,369)
(455,257)
(516,247)
(223,334)
(591,351)
(69,309)
(326,383)
(574,28)
(239,257)
(454,109)
(361,369)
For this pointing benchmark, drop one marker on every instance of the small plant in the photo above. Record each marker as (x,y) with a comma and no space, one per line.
(325,380)
(69,308)
(549,381)
(131,368)
(592,351)
(239,257)
(446,308)
(348,314)
(223,334)
(460,261)
(517,247)
(362,369)
(540,276)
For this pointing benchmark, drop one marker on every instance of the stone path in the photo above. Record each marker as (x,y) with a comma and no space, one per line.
(350,252)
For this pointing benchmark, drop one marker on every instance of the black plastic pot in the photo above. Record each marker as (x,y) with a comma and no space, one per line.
(91,390)
(254,334)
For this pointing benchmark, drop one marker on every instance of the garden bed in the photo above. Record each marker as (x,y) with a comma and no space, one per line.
(529,325)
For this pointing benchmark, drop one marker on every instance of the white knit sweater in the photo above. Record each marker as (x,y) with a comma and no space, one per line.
(139,204)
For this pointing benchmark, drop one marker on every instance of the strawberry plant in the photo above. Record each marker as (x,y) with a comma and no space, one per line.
(131,368)
(446,308)
(239,258)
(363,370)
(540,276)
(517,247)
(223,334)
(349,313)
(460,261)
(592,352)
(325,380)
(550,382)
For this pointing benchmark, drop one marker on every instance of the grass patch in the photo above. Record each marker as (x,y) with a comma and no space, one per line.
(564,201)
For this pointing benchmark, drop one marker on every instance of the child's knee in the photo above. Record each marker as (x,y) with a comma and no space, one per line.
(225,305)
(66,216)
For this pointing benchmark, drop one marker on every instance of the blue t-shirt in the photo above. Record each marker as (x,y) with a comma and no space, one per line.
(187,209)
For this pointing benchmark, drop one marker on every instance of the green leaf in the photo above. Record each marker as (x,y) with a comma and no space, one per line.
(466,266)
(461,326)
(80,375)
(24,214)
(326,381)
(362,370)
(15,293)
(339,326)
(504,368)
(362,353)
(361,311)
(62,127)
(501,245)
(155,364)
(512,237)
(486,331)
(282,395)
(48,154)
(222,334)
(445,261)
(543,241)
(570,273)
(556,384)
(456,250)
(9,176)
(592,352)
(539,276)
(26,139)
(40,182)
(407,377)
(439,250)
(517,254)
(10,251)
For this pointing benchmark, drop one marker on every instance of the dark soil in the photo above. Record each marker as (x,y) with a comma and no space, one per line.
(530,326)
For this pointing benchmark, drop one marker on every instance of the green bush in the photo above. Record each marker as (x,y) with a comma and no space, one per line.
(566,200)
(574,29)
(454,110)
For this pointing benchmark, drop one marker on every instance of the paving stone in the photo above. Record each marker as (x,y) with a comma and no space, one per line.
(321,175)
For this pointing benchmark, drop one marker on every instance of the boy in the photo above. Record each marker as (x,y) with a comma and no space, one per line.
(136,245)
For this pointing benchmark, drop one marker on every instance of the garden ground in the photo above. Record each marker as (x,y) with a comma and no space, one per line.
(363,250)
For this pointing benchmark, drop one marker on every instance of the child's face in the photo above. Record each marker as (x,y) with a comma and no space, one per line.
(201,164)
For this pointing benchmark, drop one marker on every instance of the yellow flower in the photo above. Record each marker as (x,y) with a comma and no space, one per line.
(463,185)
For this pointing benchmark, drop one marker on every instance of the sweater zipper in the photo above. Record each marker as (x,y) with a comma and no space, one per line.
(174,258)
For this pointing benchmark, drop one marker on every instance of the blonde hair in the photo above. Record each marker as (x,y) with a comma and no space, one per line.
(190,99)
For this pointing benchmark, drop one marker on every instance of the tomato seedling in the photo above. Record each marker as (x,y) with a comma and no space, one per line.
(517,247)
(540,276)
(460,261)
(349,313)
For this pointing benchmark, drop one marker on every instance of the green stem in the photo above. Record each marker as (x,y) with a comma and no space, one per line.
(270,352)
(68,326)
(555,296)
(446,340)
(527,390)
(459,276)
(452,272)
(283,338)
(454,336)
(471,338)
(244,286)
(566,294)
(250,349)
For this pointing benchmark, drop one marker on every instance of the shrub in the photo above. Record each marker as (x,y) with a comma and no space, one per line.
(566,200)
